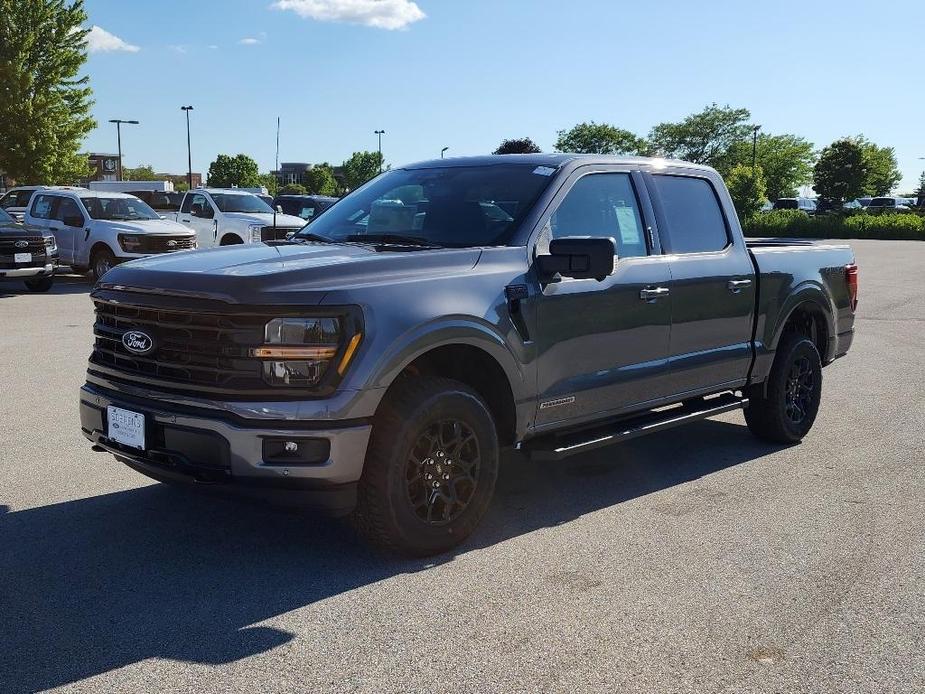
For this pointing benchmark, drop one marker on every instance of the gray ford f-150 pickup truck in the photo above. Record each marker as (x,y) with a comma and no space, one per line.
(376,362)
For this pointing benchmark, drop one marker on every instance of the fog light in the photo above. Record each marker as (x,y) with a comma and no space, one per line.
(296,451)
(291,446)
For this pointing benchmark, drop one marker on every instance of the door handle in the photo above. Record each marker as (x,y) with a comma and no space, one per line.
(185,220)
(652,294)
(736,286)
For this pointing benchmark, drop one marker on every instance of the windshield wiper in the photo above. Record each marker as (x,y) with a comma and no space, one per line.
(393,240)
(311,237)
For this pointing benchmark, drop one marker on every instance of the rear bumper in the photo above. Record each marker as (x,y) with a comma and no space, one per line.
(222,454)
(27,272)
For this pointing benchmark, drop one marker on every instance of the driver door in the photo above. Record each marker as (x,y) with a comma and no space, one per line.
(603,346)
(198,214)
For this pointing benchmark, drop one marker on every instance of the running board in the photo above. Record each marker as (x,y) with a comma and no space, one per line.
(559,446)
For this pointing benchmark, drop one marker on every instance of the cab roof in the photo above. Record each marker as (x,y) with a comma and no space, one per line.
(555,160)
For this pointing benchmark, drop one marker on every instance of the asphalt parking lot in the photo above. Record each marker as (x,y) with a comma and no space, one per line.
(701,560)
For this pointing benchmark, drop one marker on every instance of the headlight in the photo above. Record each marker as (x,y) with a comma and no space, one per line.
(130,243)
(301,351)
(254,230)
(51,246)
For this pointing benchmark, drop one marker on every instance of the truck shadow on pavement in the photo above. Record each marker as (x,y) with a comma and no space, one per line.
(64,284)
(95,584)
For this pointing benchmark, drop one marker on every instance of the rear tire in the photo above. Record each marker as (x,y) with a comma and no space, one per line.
(39,284)
(430,468)
(786,410)
(102,262)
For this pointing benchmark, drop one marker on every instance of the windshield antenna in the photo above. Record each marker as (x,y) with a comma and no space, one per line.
(277,171)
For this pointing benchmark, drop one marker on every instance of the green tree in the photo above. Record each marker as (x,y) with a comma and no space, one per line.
(921,191)
(842,171)
(240,170)
(145,172)
(702,138)
(270,182)
(320,180)
(882,171)
(747,191)
(517,145)
(361,167)
(293,189)
(786,161)
(44,104)
(599,138)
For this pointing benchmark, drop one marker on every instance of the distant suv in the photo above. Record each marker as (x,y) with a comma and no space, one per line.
(888,203)
(27,253)
(803,204)
(96,230)
(305,206)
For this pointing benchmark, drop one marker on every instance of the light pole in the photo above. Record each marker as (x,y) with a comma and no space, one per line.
(380,133)
(119,122)
(189,150)
(755,129)
(442,151)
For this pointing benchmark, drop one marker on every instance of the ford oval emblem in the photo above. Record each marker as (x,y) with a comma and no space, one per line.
(137,342)
(21,244)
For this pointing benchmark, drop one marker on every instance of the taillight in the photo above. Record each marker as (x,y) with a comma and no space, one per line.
(851,278)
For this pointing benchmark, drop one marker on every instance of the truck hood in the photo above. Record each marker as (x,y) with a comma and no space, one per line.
(262,274)
(265,219)
(145,226)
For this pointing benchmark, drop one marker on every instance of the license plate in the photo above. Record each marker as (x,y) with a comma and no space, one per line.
(126,427)
(22,257)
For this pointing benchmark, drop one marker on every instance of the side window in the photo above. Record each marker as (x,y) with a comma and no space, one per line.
(200,206)
(695,220)
(43,207)
(8,200)
(188,202)
(68,209)
(602,205)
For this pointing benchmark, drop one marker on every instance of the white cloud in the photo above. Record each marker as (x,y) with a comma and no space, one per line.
(381,14)
(101,41)
(249,41)
(177,49)
(212,46)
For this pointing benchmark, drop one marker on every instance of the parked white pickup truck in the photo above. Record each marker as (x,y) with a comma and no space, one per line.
(97,230)
(227,216)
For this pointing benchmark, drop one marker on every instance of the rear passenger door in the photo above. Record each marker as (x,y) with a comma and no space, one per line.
(712,285)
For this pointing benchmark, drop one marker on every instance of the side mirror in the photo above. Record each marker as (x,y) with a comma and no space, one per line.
(279,209)
(580,257)
(75,220)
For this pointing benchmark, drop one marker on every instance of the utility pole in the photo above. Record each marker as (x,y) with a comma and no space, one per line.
(119,122)
(380,133)
(443,151)
(189,149)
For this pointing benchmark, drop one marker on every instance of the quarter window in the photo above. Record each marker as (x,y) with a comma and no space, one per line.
(695,220)
(602,205)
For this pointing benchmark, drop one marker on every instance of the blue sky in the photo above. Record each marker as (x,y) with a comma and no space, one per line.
(467,73)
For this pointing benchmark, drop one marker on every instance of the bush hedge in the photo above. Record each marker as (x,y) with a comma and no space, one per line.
(796,224)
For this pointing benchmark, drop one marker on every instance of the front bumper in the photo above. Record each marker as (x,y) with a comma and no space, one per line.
(224,453)
(27,272)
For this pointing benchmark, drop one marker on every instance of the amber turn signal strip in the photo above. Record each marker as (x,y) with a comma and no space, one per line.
(295,352)
(349,352)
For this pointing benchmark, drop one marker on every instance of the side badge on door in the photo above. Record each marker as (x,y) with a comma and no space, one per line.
(558,402)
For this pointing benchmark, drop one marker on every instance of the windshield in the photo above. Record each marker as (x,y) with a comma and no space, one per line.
(238,202)
(453,206)
(882,202)
(118,208)
(786,204)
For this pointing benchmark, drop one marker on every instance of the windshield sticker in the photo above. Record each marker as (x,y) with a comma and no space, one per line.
(544,170)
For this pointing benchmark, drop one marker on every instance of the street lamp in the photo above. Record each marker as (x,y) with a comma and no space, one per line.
(189,150)
(119,123)
(755,129)
(442,151)
(380,133)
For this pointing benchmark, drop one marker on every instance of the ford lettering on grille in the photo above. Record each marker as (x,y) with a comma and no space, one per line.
(137,342)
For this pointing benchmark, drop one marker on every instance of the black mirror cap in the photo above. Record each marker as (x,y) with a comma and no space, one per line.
(579,257)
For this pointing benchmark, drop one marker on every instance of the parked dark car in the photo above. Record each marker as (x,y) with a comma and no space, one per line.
(305,206)
(803,204)
(27,253)
(376,362)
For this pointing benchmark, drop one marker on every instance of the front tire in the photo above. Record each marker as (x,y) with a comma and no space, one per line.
(785,412)
(39,284)
(430,469)
(102,262)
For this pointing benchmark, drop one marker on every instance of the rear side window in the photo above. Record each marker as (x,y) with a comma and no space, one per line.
(695,220)
(16,198)
(43,206)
